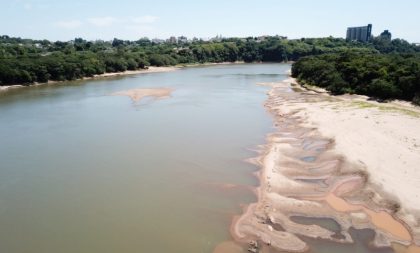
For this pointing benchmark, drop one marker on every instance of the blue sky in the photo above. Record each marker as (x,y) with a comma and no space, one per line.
(133,19)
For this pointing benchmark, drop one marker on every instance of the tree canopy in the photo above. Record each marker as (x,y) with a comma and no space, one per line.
(384,76)
(381,68)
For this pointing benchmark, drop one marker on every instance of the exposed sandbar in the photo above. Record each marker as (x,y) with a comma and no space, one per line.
(342,158)
(136,72)
(138,94)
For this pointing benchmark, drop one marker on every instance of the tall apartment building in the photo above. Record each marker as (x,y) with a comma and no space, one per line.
(361,33)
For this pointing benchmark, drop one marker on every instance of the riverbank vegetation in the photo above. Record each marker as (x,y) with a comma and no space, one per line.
(382,76)
(385,69)
(25,61)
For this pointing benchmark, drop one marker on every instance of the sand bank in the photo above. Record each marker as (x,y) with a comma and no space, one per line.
(343,158)
(136,72)
(128,72)
(3,88)
(138,94)
(105,75)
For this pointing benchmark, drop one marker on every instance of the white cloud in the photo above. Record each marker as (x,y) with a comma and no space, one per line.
(139,28)
(118,26)
(102,21)
(134,21)
(27,6)
(145,19)
(70,24)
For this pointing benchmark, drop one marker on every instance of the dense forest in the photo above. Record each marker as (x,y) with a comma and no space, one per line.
(25,61)
(381,68)
(384,76)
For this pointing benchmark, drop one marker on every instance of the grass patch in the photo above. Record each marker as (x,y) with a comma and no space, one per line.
(363,104)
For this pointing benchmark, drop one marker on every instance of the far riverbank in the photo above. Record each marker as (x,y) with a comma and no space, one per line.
(151,69)
(105,75)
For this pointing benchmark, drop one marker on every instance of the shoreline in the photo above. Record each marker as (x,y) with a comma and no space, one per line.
(134,72)
(104,75)
(151,69)
(308,169)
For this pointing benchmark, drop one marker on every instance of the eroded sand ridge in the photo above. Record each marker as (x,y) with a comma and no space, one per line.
(304,174)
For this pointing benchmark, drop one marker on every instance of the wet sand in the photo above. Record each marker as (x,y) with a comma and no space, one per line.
(340,158)
(138,94)
(136,72)
(3,88)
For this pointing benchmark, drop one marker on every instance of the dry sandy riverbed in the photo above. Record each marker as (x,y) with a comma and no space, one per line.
(342,158)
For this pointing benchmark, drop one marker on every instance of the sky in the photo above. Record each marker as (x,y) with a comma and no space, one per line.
(134,19)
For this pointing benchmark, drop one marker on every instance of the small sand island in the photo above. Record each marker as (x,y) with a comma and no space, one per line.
(341,159)
(137,95)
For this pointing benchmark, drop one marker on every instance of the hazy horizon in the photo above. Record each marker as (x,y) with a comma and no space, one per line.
(131,20)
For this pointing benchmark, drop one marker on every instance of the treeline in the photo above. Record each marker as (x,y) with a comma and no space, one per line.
(59,66)
(25,61)
(384,76)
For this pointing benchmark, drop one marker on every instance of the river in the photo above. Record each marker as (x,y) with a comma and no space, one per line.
(84,171)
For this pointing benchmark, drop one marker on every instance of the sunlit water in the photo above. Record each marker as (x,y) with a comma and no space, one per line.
(83,171)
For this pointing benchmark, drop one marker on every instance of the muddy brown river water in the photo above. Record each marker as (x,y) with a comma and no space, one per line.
(83,170)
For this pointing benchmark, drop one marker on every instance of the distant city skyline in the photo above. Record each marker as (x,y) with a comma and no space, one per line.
(129,19)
